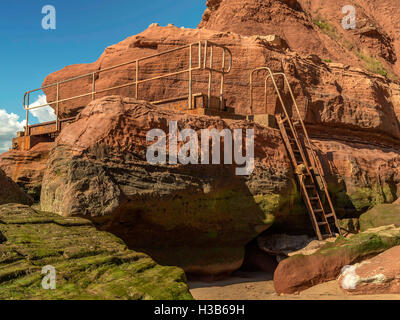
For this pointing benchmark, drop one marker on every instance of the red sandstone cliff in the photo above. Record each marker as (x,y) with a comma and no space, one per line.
(344,82)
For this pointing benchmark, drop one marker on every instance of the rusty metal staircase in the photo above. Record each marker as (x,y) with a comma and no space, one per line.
(308,168)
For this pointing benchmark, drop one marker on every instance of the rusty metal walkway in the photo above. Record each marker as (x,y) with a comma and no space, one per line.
(306,164)
(201,56)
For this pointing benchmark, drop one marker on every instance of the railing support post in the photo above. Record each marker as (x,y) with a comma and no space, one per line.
(93,86)
(210,75)
(137,79)
(251,91)
(27,118)
(190,78)
(57,107)
(221,94)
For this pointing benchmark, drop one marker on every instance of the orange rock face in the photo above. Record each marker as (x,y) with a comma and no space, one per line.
(328,94)
(315,27)
(353,114)
(344,82)
(11,193)
(26,168)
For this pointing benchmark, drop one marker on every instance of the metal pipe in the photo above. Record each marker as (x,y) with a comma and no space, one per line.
(210,75)
(205,54)
(57,108)
(199,54)
(137,79)
(190,79)
(27,119)
(221,92)
(93,86)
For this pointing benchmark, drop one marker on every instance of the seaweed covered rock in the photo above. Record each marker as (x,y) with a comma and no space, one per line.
(89,264)
(382,215)
(300,272)
(11,192)
(196,216)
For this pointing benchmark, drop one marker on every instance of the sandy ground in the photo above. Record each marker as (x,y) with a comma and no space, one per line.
(259,286)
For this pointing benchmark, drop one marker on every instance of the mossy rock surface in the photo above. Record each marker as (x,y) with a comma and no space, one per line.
(349,225)
(300,272)
(89,264)
(382,215)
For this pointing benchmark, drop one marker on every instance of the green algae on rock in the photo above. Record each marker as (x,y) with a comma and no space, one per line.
(300,272)
(89,264)
(382,215)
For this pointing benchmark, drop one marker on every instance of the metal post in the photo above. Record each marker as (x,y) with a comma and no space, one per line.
(210,75)
(221,94)
(265,94)
(27,118)
(251,91)
(57,107)
(137,79)
(205,54)
(199,54)
(190,79)
(93,86)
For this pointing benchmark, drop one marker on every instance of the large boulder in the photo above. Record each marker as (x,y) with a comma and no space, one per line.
(300,272)
(89,264)
(381,215)
(10,192)
(379,275)
(199,217)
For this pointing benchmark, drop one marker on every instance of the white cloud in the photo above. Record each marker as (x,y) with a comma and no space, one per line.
(43,114)
(9,125)
(10,122)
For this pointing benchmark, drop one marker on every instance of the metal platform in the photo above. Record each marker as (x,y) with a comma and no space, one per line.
(201,105)
(37,133)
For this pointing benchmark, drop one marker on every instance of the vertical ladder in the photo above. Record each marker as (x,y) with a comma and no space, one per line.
(307,166)
(324,220)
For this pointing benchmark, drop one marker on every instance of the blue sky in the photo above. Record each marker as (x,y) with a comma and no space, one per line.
(84,29)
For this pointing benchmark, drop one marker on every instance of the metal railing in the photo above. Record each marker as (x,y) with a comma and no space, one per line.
(205,62)
(271,75)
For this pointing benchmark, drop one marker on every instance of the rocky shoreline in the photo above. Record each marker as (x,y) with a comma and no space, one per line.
(99,202)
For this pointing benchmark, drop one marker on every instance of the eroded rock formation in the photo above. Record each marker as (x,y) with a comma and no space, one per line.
(27,168)
(346,88)
(10,192)
(315,27)
(199,217)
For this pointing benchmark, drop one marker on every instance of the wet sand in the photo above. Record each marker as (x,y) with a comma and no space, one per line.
(259,286)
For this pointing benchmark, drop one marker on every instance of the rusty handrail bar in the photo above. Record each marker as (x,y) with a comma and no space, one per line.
(201,65)
(272,76)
